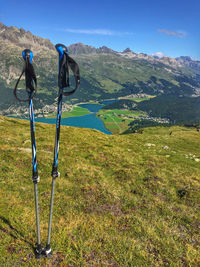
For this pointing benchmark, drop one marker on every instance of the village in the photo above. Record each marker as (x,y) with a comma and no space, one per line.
(23,112)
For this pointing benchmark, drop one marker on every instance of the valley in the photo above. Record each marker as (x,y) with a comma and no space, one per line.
(105,74)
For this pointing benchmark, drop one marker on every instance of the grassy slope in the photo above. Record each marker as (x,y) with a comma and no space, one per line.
(118,202)
(139,99)
(113,120)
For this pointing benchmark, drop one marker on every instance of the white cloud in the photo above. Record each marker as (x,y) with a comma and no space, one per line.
(173,33)
(95,32)
(159,54)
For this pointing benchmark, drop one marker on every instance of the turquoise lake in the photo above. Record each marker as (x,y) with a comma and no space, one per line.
(86,121)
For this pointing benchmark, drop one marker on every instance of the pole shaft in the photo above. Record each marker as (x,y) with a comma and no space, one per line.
(35,177)
(33,142)
(55,165)
(37,213)
(56,147)
(51,211)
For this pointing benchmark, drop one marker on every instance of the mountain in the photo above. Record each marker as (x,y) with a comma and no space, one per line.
(12,36)
(82,49)
(189,63)
(105,73)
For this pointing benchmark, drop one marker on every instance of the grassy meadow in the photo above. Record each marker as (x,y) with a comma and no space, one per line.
(121,200)
(117,120)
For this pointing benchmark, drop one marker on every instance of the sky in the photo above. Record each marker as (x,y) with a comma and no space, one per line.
(161,27)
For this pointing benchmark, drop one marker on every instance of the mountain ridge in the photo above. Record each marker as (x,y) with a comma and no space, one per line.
(105,73)
(12,33)
(22,38)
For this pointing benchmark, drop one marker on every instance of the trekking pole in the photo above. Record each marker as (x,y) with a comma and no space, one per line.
(63,81)
(30,79)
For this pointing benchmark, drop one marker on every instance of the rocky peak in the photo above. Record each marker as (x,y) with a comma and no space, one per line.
(105,49)
(2,26)
(169,61)
(188,62)
(23,39)
(80,48)
(184,59)
(127,50)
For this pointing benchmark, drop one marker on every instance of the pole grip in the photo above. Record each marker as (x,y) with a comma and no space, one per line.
(61,49)
(66,62)
(30,77)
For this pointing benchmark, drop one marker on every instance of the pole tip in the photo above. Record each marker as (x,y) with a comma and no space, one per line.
(47,251)
(39,250)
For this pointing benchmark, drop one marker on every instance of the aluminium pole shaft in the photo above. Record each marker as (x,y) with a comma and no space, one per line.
(31,88)
(63,81)
(35,176)
(37,213)
(51,211)
(54,172)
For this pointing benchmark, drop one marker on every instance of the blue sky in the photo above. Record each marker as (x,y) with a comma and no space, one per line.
(171,27)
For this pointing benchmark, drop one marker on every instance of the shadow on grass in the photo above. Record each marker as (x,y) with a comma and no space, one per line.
(14,233)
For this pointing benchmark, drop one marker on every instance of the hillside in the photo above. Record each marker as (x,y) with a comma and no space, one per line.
(121,200)
(105,73)
(178,110)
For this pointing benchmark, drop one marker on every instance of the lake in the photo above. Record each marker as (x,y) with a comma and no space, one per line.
(86,121)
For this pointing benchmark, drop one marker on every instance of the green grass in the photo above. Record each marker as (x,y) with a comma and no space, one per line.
(121,200)
(138,99)
(76,111)
(116,123)
(120,111)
